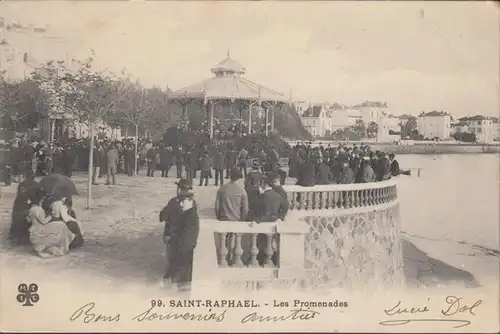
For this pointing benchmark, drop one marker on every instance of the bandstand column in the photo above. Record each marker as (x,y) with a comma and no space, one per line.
(272,119)
(211,119)
(250,119)
(267,121)
(184,116)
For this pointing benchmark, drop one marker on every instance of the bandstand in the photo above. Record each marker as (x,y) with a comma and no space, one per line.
(228,88)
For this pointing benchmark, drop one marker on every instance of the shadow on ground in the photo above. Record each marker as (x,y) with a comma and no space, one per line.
(421,269)
(142,259)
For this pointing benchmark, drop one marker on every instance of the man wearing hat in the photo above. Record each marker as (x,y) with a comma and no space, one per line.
(180,235)
(252,184)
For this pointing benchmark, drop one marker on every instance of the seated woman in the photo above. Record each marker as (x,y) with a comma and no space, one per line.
(48,238)
(19,228)
(61,210)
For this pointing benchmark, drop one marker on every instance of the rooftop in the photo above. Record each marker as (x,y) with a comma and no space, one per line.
(434,113)
(473,118)
(228,67)
(228,83)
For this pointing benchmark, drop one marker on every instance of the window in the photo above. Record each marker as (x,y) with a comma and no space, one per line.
(478,122)
(479,130)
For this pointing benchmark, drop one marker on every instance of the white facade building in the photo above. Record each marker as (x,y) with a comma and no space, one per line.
(317,120)
(481,126)
(434,124)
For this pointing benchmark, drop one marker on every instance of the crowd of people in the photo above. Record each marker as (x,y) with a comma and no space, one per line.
(251,188)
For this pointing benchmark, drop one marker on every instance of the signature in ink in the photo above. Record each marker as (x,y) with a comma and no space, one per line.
(454,306)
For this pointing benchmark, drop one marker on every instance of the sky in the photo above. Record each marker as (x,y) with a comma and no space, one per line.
(417,56)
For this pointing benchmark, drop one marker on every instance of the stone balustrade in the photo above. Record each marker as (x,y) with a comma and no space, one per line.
(334,236)
(250,252)
(341,196)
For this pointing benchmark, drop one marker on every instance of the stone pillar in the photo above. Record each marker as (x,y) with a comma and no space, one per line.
(292,255)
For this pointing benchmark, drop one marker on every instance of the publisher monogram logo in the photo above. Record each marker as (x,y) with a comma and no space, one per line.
(28,294)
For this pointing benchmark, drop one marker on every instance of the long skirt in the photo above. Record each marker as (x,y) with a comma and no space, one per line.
(52,239)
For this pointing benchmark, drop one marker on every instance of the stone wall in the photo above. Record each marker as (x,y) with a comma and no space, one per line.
(354,250)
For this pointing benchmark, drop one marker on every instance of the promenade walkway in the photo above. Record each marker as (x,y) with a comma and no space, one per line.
(124,244)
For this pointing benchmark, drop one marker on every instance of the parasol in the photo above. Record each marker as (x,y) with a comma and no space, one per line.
(59,185)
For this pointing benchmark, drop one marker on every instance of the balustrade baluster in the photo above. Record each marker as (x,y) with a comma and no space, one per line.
(349,199)
(302,201)
(292,201)
(254,251)
(238,251)
(370,197)
(223,251)
(356,198)
(307,201)
(314,200)
(340,201)
(269,252)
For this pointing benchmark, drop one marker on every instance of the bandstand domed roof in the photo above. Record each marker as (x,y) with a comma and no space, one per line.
(228,66)
(228,83)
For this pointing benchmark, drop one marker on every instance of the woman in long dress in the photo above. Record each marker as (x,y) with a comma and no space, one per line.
(48,238)
(61,210)
(19,229)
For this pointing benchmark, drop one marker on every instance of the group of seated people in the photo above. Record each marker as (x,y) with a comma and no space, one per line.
(44,220)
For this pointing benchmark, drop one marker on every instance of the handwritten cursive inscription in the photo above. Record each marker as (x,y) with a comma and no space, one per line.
(87,314)
(151,315)
(455,306)
(397,309)
(297,314)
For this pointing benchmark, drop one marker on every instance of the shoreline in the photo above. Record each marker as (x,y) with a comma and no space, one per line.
(437,149)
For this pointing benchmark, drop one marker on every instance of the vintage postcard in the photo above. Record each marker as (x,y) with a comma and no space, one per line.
(204,166)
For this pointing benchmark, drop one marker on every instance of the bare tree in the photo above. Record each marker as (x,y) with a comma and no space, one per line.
(136,107)
(90,96)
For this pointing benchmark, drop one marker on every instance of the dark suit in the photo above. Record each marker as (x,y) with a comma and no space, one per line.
(183,228)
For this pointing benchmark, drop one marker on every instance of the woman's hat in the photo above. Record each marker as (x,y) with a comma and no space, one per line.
(184,184)
(256,163)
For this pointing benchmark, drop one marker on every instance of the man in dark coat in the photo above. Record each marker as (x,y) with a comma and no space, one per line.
(272,206)
(252,184)
(180,160)
(275,182)
(130,159)
(193,164)
(206,168)
(67,160)
(307,173)
(323,174)
(219,166)
(165,160)
(180,235)
(383,170)
(395,171)
(231,160)
(346,174)
(97,157)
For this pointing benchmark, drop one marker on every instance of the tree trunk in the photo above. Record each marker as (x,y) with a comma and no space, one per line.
(91,166)
(135,148)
